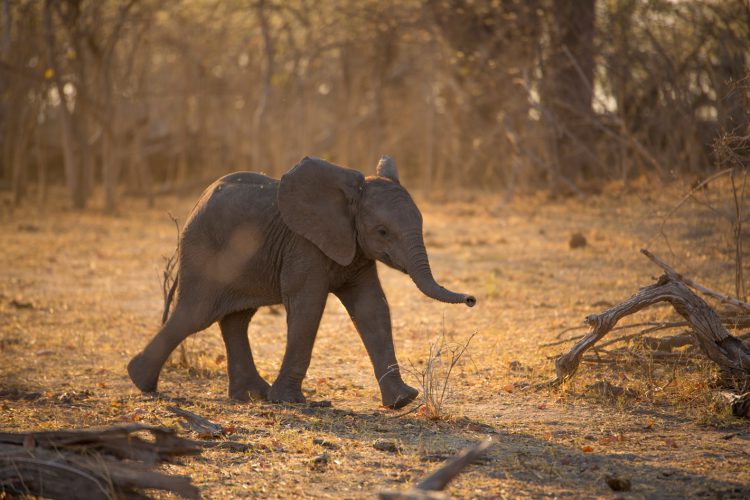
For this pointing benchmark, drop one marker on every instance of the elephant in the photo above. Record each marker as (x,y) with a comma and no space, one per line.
(254,241)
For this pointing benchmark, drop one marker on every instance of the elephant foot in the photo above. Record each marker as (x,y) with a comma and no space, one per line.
(280,393)
(254,390)
(141,374)
(396,395)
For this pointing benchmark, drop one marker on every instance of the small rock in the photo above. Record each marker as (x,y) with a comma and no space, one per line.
(388,445)
(577,240)
(29,228)
(19,304)
(617,483)
(320,462)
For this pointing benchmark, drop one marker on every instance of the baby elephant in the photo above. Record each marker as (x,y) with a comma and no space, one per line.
(253,241)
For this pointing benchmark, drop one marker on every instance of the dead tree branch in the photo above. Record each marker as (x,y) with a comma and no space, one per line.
(730,353)
(726,299)
(194,422)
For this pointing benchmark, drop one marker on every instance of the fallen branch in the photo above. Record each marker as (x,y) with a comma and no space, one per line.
(88,464)
(432,486)
(653,343)
(194,422)
(730,353)
(726,299)
(122,442)
(739,403)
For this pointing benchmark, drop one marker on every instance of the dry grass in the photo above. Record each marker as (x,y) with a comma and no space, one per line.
(434,377)
(81,292)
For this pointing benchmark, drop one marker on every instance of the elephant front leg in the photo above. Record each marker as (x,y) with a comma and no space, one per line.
(303,311)
(365,301)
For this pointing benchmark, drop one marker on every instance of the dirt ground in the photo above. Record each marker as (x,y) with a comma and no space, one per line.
(80,293)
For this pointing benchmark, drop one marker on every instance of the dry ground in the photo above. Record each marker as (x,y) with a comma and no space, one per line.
(80,294)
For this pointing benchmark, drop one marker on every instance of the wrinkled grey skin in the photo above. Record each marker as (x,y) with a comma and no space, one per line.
(253,241)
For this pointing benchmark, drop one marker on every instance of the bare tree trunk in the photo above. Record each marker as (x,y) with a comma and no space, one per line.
(109,170)
(7,28)
(430,131)
(24,132)
(261,153)
(567,89)
(348,109)
(72,168)
(110,156)
(41,168)
(384,54)
(83,109)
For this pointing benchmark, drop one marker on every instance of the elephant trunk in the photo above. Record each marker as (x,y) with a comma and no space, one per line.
(420,272)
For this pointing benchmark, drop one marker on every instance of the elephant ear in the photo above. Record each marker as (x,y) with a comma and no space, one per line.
(315,199)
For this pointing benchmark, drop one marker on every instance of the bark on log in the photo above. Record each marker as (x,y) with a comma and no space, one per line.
(87,464)
(730,353)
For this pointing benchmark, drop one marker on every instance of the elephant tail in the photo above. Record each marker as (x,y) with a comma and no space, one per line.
(168,300)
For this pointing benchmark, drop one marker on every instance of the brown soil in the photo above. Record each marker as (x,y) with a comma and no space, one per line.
(80,293)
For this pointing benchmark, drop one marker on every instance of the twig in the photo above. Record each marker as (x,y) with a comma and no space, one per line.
(196,423)
(655,344)
(655,324)
(570,329)
(733,322)
(689,195)
(563,341)
(412,410)
(726,299)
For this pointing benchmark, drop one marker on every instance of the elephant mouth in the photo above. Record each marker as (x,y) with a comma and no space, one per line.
(386,259)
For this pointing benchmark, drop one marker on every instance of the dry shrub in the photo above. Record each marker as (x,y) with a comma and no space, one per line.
(434,378)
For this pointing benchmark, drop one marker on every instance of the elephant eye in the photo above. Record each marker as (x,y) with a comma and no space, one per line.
(382,231)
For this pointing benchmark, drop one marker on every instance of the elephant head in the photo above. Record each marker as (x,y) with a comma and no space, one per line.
(338,210)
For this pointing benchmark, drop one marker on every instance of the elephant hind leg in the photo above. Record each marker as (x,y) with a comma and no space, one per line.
(244,380)
(186,319)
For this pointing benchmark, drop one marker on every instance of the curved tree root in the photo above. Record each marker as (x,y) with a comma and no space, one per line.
(730,353)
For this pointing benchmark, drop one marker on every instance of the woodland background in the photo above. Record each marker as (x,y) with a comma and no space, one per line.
(145,97)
